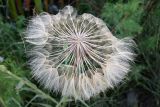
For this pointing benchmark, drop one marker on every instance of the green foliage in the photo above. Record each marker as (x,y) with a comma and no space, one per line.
(11,46)
(149,43)
(8,91)
(123,18)
(11,37)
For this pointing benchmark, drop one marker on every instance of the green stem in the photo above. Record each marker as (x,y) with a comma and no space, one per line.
(38,5)
(19,6)
(2,102)
(12,8)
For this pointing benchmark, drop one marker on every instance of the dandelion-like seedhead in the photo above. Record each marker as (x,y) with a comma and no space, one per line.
(76,54)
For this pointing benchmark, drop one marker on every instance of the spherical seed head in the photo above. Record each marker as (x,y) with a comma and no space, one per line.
(76,54)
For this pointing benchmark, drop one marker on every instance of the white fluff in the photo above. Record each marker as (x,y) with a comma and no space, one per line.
(76,55)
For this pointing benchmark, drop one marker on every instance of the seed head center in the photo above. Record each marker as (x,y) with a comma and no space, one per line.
(79,40)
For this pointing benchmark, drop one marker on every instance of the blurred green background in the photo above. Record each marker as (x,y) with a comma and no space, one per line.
(139,19)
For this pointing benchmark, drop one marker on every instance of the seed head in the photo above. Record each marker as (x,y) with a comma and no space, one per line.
(76,54)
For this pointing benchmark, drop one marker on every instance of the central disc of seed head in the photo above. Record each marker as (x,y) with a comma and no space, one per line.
(79,39)
(77,42)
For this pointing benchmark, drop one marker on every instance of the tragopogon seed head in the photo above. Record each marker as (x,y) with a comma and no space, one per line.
(76,54)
